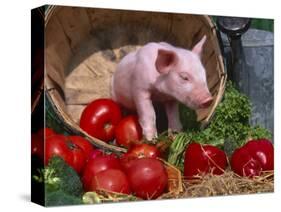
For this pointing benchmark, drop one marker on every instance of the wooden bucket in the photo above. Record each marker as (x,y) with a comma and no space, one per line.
(84,45)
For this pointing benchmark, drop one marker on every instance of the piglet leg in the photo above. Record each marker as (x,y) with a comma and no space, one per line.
(172,111)
(147,117)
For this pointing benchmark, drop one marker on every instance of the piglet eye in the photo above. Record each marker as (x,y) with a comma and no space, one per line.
(184,76)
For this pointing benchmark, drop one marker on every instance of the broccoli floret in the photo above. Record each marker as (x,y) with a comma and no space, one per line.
(63,177)
(58,197)
(62,183)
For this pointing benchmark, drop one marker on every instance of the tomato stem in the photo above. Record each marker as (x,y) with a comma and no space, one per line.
(107,127)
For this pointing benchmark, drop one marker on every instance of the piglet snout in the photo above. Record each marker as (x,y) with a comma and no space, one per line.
(207,102)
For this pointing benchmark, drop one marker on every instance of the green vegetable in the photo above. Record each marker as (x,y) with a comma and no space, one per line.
(228,129)
(68,180)
(177,148)
(263,24)
(188,118)
(257,132)
(61,183)
(59,197)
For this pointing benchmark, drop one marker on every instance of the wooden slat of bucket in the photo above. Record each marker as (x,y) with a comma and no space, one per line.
(58,51)
(54,91)
(160,23)
(76,25)
(76,111)
(108,28)
(206,28)
(84,78)
(102,18)
(210,58)
(211,46)
(175,184)
(206,58)
(212,71)
(137,18)
(134,21)
(187,25)
(208,49)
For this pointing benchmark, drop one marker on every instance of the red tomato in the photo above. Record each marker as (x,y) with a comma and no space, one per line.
(47,131)
(113,180)
(143,150)
(78,157)
(128,132)
(96,153)
(253,158)
(37,146)
(61,146)
(84,144)
(147,177)
(37,141)
(100,118)
(56,145)
(203,159)
(97,165)
(139,151)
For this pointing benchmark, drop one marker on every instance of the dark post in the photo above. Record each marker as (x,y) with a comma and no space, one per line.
(234,28)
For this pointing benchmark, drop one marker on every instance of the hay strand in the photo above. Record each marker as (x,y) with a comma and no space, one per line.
(227,184)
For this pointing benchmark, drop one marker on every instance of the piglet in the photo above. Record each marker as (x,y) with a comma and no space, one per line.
(161,72)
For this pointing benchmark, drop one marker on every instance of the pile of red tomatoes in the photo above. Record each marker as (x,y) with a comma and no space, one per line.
(139,171)
(103,119)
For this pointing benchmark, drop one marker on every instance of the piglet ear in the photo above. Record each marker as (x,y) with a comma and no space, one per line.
(165,60)
(197,49)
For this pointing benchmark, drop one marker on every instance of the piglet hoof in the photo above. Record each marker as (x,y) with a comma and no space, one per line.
(172,132)
(175,128)
(150,134)
(150,137)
